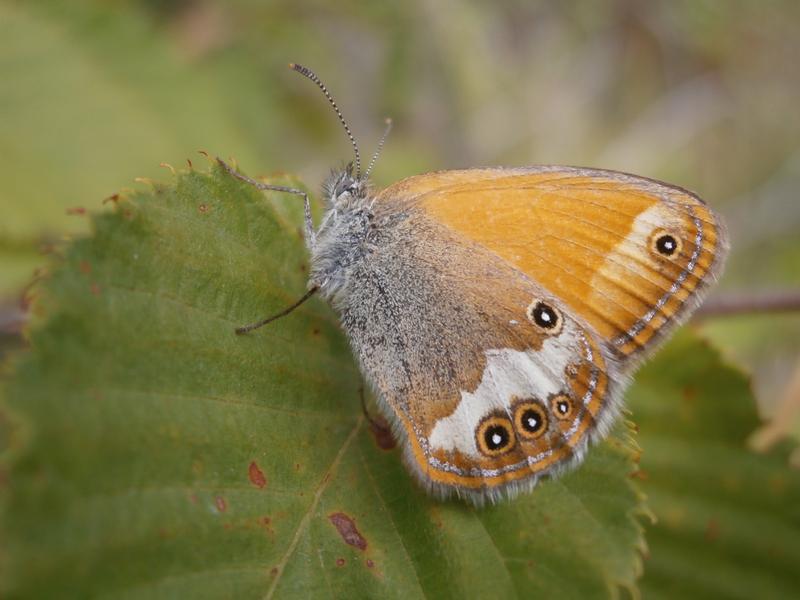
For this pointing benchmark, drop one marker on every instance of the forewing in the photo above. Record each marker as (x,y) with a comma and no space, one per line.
(629,256)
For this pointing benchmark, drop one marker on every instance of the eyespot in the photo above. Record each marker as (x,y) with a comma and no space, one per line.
(545,317)
(530,419)
(562,407)
(665,243)
(495,436)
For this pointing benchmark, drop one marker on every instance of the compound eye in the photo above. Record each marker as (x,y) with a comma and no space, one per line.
(530,419)
(495,436)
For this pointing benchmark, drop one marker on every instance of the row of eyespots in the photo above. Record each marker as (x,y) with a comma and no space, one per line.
(496,435)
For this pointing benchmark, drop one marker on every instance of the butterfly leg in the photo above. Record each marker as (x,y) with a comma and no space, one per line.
(377,425)
(310,234)
(248,328)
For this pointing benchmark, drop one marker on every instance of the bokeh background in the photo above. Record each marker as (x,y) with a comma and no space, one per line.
(699,93)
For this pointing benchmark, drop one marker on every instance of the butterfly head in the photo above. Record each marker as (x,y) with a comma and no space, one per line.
(339,242)
(344,188)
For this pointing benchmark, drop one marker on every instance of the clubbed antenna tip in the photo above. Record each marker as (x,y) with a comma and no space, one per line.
(309,74)
(388,122)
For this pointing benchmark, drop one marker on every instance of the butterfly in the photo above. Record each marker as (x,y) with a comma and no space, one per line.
(498,313)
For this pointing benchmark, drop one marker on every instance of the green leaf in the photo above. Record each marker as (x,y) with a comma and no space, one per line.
(150,452)
(728,519)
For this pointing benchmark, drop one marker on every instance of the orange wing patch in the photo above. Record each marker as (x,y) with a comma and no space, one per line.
(626,254)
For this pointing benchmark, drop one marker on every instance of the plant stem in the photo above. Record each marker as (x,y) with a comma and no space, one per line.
(746,303)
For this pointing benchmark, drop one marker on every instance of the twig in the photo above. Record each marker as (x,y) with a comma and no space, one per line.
(744,303)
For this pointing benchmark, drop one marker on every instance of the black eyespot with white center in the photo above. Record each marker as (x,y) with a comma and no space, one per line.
(495,435)
(562,407)
(665,243)
(545,317)
(530,419)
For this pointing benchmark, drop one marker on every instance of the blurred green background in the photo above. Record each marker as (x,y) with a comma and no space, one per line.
(702,94)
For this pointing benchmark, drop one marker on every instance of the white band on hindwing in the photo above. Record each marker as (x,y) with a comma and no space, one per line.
(530,460)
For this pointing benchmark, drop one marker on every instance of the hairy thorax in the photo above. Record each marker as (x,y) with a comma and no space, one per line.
(342,243)
(342,240)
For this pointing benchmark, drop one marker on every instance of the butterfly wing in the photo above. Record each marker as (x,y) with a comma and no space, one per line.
(499,312)
(631,256)
(486,376)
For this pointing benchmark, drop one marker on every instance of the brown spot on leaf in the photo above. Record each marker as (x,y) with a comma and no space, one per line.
(221,505)
(85,267)
(111,198)
(95,289)
(257,477)
(266,522)
(203,208)
(370,563)
(273,571)
(712,530)
(640,474)
(76,210)
(346,527)
(339,562)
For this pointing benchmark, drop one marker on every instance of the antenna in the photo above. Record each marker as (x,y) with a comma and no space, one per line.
(375,156)
(313,77)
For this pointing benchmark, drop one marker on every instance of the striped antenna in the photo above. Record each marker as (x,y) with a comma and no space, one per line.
(375,156)
(313,77)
